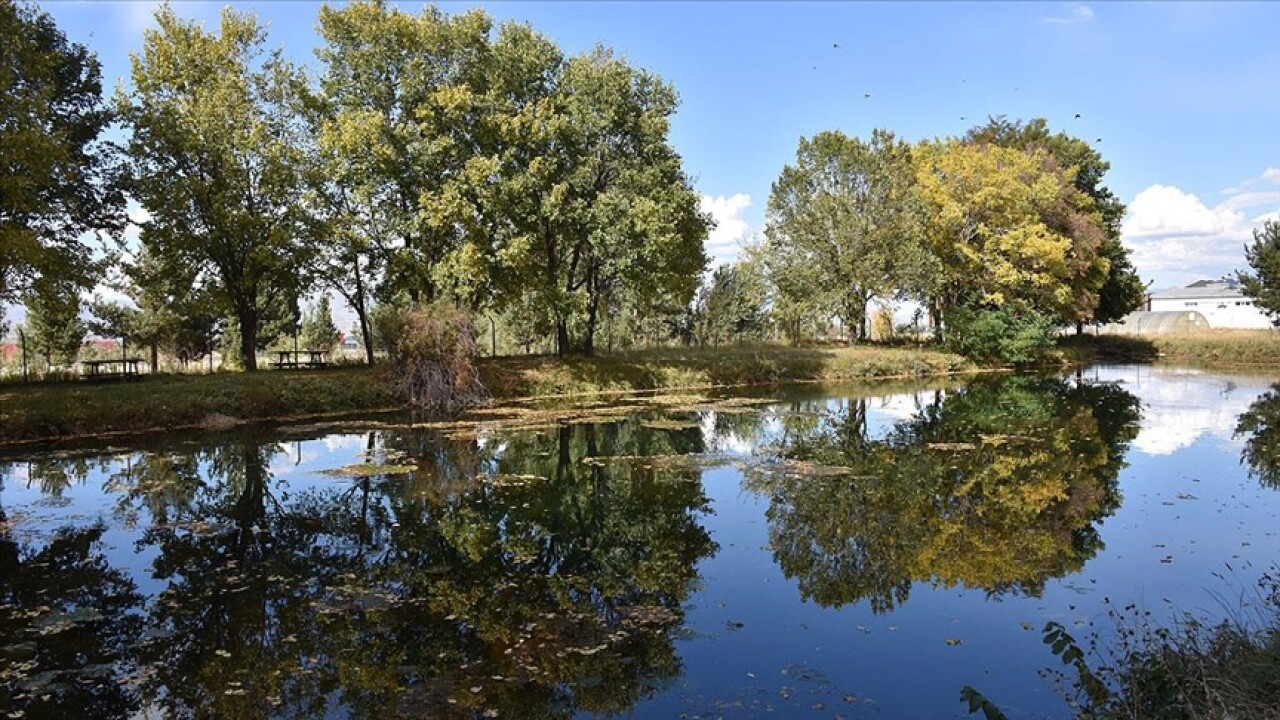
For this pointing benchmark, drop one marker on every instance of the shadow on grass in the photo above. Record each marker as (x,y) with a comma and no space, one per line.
(1114,348)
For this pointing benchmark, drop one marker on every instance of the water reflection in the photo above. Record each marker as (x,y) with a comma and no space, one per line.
(998,486)
(516,580)
(1260,425)
(68,622)
(572,569)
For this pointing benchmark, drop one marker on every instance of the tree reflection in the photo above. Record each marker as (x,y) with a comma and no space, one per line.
(1261,423)
(997,487)
(543,587)
(67,627)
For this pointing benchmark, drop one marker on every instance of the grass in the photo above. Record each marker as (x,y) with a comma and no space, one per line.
(1190,670)
(59,410)
(543,376)
(50,410)
(1217,348)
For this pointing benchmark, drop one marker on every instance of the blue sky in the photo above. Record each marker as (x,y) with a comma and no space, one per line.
(1185,97)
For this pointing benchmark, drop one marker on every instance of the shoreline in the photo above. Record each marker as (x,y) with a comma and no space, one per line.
(49,414)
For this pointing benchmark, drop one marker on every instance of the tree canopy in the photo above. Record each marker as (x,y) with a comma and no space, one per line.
(57,186)
(215,158)
(1263,283)
(845,224)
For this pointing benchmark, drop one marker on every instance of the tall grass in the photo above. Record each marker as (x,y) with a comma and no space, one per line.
(1191,669)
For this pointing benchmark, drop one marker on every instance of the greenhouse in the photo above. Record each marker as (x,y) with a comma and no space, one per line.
(1162,322)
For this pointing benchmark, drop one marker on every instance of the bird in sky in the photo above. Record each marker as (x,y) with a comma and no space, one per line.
(866,96)
(1077,116)
(835,46)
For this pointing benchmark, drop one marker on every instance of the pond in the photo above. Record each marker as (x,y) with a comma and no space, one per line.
(805,551)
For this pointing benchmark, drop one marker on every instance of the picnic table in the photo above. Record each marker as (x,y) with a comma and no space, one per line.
(114,368)
(294,359)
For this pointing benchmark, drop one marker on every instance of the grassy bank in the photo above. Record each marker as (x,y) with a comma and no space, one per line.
(50,411)
(519,377)
(1214,348)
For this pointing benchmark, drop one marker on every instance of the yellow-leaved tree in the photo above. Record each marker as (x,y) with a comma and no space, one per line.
(989,214)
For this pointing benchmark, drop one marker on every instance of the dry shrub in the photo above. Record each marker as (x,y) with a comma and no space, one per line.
(433,350)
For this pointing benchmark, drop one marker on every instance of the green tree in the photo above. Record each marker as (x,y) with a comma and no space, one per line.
(845,219)
(318,331)
(600,212)
(56,179)
(732,304)
(54,326)
(215,156)
(158,302)
(194,336)
(395,121)
(1124,291)
(1263,284)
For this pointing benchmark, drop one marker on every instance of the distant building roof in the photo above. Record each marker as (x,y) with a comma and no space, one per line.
(1201,289)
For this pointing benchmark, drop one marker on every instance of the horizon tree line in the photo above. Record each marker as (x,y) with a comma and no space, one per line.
(434,157)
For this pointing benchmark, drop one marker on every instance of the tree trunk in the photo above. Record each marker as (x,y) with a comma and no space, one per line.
(362,314)
(589,341)
(562,336)
(249,340)
(155,356)
(1079,327)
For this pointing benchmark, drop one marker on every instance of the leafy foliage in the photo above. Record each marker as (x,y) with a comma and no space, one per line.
(732,305)
(214,157)
(1092,221)
(843,223)
(1003,334)
(53,322)
(318,331)
(57,182)
(1263,284)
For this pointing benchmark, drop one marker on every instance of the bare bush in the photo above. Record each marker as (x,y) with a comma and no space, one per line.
(433,350)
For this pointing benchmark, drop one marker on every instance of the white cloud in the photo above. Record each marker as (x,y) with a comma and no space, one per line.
(1270,176)
(1252,199)
(1176,237)
(1179,406)
(1074,13)
(1162,211)
(731,231)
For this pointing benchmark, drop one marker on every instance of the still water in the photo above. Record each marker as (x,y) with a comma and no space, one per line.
(859,552)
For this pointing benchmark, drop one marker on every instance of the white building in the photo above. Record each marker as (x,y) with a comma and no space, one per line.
(1220,302)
